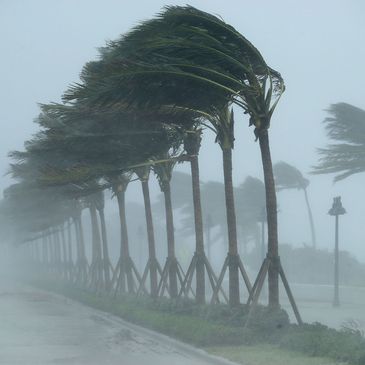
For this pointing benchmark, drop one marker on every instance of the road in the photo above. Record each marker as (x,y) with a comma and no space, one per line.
(315,305)
(40,328)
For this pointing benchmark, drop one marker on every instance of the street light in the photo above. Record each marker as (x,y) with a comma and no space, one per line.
(336,210)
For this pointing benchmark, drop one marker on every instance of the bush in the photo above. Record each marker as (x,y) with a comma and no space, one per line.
(319,340)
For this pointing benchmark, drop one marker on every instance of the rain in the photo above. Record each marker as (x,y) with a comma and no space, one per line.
(182,183)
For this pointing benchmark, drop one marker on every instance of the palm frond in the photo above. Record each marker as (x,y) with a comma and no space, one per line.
(346,124)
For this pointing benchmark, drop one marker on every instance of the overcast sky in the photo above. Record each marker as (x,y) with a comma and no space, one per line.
(318,46)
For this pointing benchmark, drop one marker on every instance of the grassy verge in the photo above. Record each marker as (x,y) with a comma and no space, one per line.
(267,354)
(184,327)
(270,338)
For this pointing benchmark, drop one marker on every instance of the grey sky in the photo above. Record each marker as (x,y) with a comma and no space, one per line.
(316,45)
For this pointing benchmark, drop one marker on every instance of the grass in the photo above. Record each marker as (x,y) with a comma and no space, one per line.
(187,328)
(265,354)
(269,340)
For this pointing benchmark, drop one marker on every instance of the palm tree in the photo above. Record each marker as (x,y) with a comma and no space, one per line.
(34,212)
(106,143)
(289,177)
(190,206)
(183,53)
(96,268)
(345,126)
(123,273)
(250,197)
(163,171)
(223,125)
(153,267)
(107,266)
(192,142)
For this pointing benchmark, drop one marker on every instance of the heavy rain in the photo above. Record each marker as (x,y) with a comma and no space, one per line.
(182,183)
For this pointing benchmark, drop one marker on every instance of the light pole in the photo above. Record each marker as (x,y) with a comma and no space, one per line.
(336,210)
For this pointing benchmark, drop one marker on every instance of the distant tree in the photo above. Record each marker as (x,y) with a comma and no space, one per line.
(212,201)
(289,177)
(250,197)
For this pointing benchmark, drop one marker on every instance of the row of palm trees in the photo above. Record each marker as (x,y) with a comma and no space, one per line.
(142,107)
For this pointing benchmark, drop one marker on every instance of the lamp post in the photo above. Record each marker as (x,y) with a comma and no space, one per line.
(336,210)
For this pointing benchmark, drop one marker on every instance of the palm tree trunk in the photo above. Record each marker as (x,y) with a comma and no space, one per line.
(124,243)
(272,222)
(69,244)
(313,232)
(170,240)
(77,240)
(45,249)
(82,261)
(57,247)
(150,237)
(199,232)
(64,250)
(96,243)
(106,259)
(82,241)
(234,291)
(52,251)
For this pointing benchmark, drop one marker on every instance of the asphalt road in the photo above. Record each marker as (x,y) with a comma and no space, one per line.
(37,327)
(315,305)
(40,328)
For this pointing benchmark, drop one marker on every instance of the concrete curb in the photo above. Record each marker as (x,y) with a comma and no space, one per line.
(212,359)
(183,347)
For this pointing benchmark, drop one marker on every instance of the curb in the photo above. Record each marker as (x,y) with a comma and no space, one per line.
(188,349)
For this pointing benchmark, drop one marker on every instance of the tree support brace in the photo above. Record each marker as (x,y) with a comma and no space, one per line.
(258,285)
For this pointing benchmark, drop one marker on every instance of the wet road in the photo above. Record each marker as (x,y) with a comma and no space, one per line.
(40,328)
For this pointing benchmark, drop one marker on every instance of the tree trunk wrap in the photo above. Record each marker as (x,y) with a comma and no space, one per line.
(272,224)
(170,240)
(234,292)
(199,230)
(150,237)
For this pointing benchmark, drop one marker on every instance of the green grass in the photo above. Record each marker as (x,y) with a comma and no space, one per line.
(187,328)
(270,338)
(267,354)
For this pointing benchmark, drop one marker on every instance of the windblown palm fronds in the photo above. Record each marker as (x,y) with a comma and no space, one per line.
(289,177)
(345,125)
(162,60)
